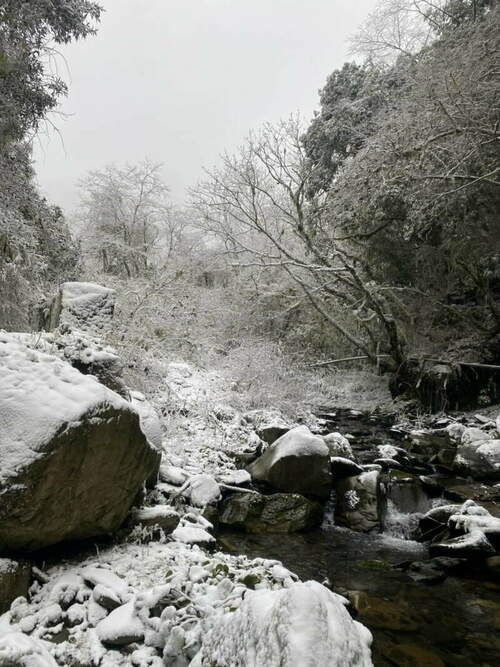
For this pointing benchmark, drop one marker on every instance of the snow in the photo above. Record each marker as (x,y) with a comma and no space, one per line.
(156,512)
(39,393)
(192,535)
(20,650)
(304,625)
(202,490)
(236,478)
(104,577)
(149,420)
(86,305)
(122,626)
(299,441)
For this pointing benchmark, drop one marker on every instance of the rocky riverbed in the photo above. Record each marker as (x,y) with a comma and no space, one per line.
(393,525)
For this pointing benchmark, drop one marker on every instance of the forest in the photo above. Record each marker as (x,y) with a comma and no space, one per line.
(331,287)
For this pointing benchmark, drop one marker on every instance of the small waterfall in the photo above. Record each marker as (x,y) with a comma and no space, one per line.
(397,523)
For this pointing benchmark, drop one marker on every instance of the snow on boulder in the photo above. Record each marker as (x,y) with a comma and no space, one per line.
(192,535)
(202,490)
(121,627)
(72,453)
(85,306)
(478,458)
(304,624)
(297,462)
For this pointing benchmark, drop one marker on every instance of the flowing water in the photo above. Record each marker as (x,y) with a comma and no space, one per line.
(455,622)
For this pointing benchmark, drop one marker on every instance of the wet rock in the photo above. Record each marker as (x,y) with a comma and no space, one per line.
(493,566)
(342,467)
(298,462)
(478,458)
(412,655)
(15,580)
(381,613)
(358,501)
(72,454)
(338,445)
(471,545)
(435,570)
(440,443)
(163,516)
(276,513)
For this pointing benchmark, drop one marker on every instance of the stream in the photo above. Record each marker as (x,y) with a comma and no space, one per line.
(454,622)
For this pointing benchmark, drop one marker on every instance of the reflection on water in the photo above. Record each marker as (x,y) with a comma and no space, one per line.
(453,623)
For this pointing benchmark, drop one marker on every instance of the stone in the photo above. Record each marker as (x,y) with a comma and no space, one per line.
(493,565)
(269,424)
(471,545)
(478,458)
(163,516)
(80,305)
(236,478)
(440,443)
(72,453)
(384,614)
(342,467)
(358,501)
(202,490)
(121,627)
(15,580)
(301,625)
(276,513)
(172,475)
(19,650)
(434,570)
(106,597)
(338,445)
(298,462)
(412,655)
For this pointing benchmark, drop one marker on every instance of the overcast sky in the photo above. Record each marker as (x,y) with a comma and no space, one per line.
(179,81)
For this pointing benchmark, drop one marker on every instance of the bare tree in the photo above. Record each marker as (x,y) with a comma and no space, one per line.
(257,205)
(126,218)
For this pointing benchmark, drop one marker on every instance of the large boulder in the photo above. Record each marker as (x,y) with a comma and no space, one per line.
(72,453)
(298,462)
(304,624)
(479,458)
(277,513)
(268,424)
(358,501)
(85,306)
(15,580)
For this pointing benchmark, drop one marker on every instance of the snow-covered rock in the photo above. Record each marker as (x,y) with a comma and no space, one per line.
(79,305)
(192,535)
(72,454)
(338,445)
(149,420)
(122,626)
(236,478)
(298,462)
(202,490)
(172,474)
(478,458)
(19,650)
(304,624)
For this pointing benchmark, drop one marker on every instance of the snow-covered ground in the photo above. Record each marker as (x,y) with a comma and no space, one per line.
(175,601)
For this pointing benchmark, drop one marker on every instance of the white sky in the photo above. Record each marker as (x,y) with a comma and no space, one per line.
(179,81)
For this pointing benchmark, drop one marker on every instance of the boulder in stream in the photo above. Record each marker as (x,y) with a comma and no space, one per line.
(298,462)
(478,458)
(276,513)
(358,501)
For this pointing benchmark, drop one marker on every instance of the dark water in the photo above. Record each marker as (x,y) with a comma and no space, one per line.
(454,623)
